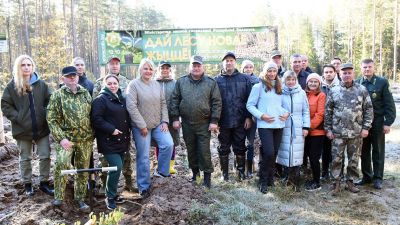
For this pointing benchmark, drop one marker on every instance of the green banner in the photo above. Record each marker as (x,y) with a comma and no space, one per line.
(179,45)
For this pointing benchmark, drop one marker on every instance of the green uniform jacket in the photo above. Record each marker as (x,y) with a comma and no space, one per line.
(16,109)
(99,85)
(196,101)
(382,100)
(69,115)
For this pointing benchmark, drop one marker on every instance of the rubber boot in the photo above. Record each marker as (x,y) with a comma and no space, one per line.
(224,161)
(249,166)
(171,167)
(207,180)
(196,176)
(336,188)
(240,159)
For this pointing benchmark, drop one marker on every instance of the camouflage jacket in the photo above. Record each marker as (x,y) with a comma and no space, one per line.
(348,110)
(69,115)
(99,85)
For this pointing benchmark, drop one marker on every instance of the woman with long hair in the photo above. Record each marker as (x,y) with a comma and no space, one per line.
(266,105)
(24,103)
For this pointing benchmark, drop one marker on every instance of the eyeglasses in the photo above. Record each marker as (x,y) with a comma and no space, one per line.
(79,64)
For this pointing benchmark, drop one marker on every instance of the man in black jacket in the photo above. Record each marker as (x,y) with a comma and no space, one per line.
(235,89)
(79,64)
(297,67)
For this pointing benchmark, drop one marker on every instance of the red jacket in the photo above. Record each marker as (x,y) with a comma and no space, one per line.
(317,108)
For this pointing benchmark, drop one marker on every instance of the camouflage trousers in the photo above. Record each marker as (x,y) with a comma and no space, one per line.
(82,151)
(353,146)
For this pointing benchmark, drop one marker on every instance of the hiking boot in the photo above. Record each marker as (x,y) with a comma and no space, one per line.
(314,186)
(207,180)
(336,188)
(378,184)
(82,206)
(110,202)
(28,189)
(44,186)
(351,187)
(57,202)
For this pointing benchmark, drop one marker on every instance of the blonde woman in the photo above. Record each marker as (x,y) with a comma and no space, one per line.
(148,111)
(24,101)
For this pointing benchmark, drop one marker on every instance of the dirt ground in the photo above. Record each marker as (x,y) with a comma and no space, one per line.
(176,201)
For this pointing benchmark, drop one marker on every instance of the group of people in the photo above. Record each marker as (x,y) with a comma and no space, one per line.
(299,116)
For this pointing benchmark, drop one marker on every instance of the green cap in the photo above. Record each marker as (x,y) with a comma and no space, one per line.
(346,66)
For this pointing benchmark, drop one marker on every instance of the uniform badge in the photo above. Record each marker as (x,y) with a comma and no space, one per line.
(374,95)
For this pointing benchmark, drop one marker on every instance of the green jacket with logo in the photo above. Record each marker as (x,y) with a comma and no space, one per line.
(382,99)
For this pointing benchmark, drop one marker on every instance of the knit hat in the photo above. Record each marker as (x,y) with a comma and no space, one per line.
(270,65)
(314,76)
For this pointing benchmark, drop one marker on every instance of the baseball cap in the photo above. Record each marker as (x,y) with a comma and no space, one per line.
(229,54)
(275,53)
(196,59)
(69,70)
(113,58)
(346,66)
(163,62)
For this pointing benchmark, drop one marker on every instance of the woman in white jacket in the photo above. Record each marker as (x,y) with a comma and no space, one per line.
(291,150)
(265,104)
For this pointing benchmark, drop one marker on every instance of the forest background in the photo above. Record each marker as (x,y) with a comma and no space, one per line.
(55,31)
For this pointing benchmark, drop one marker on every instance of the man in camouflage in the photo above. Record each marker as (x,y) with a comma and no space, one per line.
(348,117)
(196,99)
(384,116)
(69,122)
(114,67)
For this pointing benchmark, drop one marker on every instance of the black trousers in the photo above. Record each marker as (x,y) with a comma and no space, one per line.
(326,154)
(270,141)
(313,148)
(232,137)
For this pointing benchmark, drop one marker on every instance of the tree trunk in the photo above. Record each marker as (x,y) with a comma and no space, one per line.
(74,41)
(2,140)
(396,24)
(27,41)
(373,29)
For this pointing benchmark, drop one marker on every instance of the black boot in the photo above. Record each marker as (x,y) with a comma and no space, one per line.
(207,180)
(224,161)
(195,174)
(28,189)
(44,186)
(240,159)
(249,166)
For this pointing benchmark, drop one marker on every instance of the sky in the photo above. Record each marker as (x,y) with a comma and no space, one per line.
(231,13)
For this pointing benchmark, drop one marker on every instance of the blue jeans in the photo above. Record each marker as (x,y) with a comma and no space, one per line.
(165,145)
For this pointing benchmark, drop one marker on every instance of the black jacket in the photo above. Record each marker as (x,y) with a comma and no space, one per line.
(235,90)
(302,78)
(109,113)
(86,83)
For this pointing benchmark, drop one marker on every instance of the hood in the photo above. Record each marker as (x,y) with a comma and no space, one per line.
(107,92)
(34,78)
(287,91)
